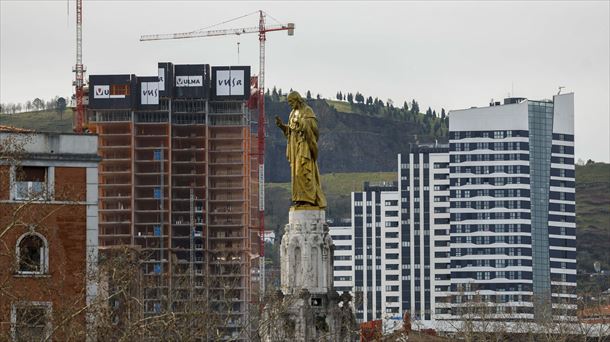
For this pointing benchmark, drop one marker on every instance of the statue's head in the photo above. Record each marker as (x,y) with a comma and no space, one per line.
(295,100)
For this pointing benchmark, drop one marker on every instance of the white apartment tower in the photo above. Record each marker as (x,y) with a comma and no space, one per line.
(513,230)
(488,219)
(401,240)
(424,231)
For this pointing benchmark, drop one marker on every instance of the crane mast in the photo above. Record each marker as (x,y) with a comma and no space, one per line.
(262,29)
(79,70)
(261,149)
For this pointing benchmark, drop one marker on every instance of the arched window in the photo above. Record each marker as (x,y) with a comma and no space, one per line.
(32,254)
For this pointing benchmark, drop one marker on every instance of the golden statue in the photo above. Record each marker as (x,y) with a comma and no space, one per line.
(302,134)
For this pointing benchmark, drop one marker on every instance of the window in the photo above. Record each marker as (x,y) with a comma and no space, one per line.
(32,254)
(31,321)
(30,182)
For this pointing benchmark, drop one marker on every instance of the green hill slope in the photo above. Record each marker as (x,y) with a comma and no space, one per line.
(41,121)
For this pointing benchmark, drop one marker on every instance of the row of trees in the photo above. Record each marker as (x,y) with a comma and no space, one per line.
(432,123)
(57,103)
(413,107)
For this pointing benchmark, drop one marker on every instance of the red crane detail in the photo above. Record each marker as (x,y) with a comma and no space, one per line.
(79,70)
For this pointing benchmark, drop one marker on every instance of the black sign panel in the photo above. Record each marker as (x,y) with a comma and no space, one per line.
(192,81)
(230,82)
(148,92)
(112,91)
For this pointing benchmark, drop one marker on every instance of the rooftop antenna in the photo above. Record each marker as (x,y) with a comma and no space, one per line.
(560,88)
(237,53)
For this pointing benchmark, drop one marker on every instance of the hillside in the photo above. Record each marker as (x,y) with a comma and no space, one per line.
(593,224)
(354,137)
(44,121)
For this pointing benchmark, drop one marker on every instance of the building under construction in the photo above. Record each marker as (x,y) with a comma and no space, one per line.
(179,180)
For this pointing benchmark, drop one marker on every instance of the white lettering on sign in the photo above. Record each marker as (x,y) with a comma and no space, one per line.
(149,93)
(261,187)
(230,82)
(161,79)
(189,81)
(101,92)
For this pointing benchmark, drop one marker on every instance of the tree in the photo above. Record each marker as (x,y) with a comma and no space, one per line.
(319,97)
(405,106)
(443,115)
(429,112)
(309,95)
(274,95)
(350,98)
(61,106)
(38,104)
(28,105)
(414,107)
(359,97)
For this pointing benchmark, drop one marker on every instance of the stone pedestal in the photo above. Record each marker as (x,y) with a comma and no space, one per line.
(305,254)
(307,308)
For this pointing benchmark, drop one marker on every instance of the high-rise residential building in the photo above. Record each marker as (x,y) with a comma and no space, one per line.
(401,240)
(343,257)
(375,224)
(178,178)
(423,186)
(513,231)
(49,220)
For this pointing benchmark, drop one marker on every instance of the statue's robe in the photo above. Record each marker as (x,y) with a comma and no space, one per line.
(302,135)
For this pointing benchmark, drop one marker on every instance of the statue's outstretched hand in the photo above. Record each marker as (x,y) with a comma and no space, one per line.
(278,122)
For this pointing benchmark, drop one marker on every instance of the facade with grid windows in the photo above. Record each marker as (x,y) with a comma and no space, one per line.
(513,231)
(401,241)
(343,256)
(179,179)
(424,232)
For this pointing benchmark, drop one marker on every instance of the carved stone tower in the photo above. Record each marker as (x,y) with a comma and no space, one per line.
(308,308)
(306,253)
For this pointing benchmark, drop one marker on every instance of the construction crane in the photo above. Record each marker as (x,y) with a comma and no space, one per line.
(262,30)
(79,70)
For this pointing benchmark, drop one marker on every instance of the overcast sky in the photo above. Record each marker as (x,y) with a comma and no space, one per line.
(448,55)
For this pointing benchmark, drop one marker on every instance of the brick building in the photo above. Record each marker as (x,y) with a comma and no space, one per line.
(48,234)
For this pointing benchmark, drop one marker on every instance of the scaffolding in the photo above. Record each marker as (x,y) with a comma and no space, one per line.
(178,182)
